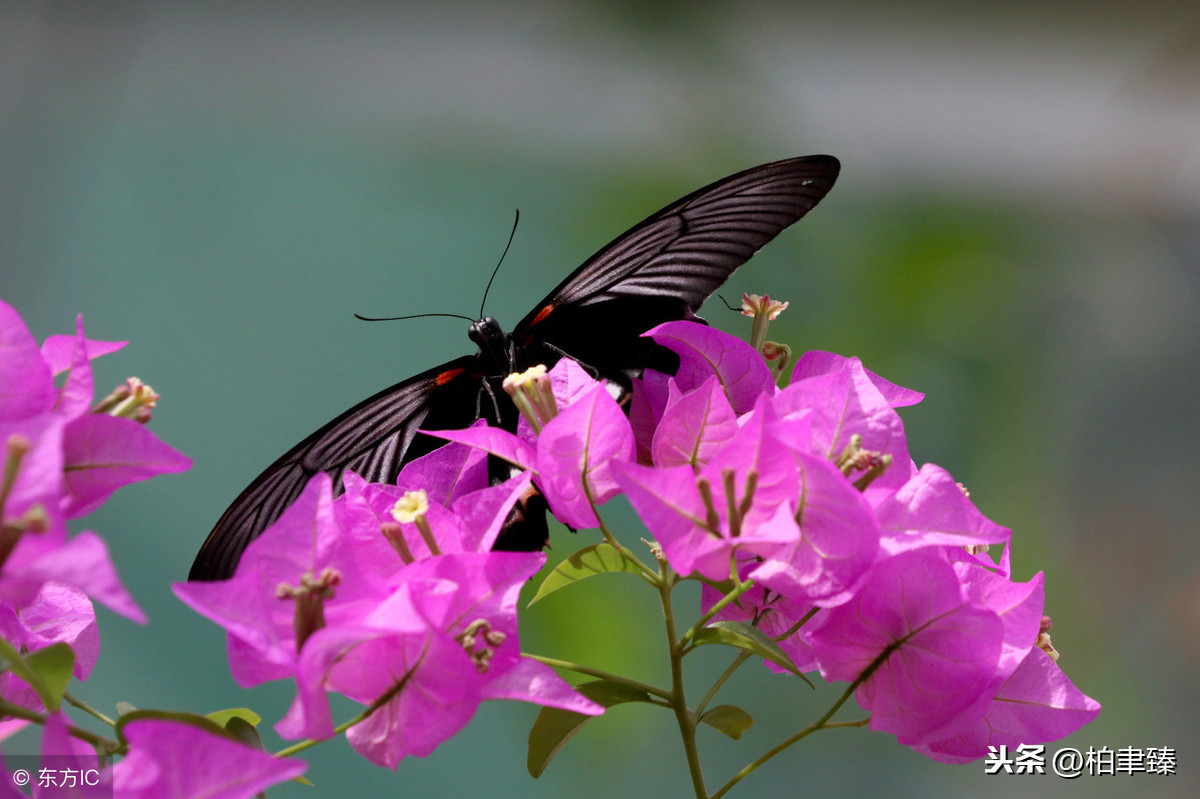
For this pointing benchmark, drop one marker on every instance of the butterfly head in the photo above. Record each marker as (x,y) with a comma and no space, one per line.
(495,346)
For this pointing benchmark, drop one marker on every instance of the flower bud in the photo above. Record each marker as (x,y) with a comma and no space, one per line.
(763,310)
(778,357)
(132,400)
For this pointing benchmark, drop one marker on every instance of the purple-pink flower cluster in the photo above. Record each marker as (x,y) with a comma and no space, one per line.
(389,595)
(64,454)
(863,566)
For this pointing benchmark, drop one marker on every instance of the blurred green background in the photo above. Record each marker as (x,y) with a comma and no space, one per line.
(1016,232)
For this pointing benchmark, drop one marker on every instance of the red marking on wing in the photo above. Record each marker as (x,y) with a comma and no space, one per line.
(447,376)
(542,314)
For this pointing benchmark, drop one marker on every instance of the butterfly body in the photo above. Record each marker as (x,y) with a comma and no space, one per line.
(660,270)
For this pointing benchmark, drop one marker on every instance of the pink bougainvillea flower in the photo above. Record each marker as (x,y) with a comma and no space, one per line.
(705,352)
(302,554)
(932,510)
(842,400)
(173,760)
(836,544)
(933,652)
(447,473)
(1037,703)
(444,641)
(57,614)
(817,362)
(471,524)
(101,452)
(695,425)
(743,500)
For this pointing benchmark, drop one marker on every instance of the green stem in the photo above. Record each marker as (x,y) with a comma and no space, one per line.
(741,658)
(739,588)
(603,675)
(99,742)
(798,736)
(687,727)
(819,724)
(86,708)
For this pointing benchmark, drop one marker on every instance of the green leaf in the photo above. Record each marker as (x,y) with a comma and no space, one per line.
(744,636)
(200,722)
(15,662)
(53,666)
(728,720)
(125,707)
(245,733)
(247,715)
(587,562)
(554,727)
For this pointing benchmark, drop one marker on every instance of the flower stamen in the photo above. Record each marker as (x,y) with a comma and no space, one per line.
(480,633)
(310,599)
(412,508)
(532,394)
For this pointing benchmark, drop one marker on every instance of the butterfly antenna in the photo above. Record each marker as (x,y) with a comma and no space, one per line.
(727,305)
(497,269)
(410,316)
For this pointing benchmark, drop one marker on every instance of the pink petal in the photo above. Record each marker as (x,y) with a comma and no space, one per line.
(694,426)
(1037,704)
(495,440)
(26,385)
(101,453)
(704,351)
(83,563)
(447,472)
(838,540)
(817,362)
(58,349)
(941,651)
(171,760)
(75,398)
(576,448)
(484,512)
(931,510)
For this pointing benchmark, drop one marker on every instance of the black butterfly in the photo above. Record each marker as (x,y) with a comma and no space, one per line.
(661,269)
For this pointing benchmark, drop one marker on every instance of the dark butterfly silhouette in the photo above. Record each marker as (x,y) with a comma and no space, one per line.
(661,269)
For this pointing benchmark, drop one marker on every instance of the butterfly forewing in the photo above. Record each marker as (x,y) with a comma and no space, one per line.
(372,439)
(688,249)
(662,269)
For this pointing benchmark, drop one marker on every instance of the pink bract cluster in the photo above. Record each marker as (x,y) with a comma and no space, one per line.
(865,567)
(64,454)
(388,595)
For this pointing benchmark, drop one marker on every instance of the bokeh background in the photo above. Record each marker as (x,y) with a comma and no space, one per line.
(1016,232)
